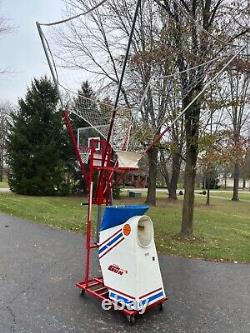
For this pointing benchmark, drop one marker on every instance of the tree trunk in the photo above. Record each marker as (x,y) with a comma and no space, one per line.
(152,176)
(188,203)
(166,178)
(244,183)
(1,164)
(208,182)
(225,181)
(164,171)
(236,182)
(172,189)
(192,117)
(176,165)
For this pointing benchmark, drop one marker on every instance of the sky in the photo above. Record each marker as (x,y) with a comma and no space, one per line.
(21,50)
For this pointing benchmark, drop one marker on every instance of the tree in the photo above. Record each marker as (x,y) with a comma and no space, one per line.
(2,144)
(238,77)
(211,157)
(197,48)
(4,29)
(162,44)
(235,152)
(233,94)
(235,82)
(193,49)
(84,101)
(5,109)
(171,155)
(36,143)
(101,57)
(246,166)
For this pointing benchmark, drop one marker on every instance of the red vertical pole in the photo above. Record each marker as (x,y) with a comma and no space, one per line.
(107,193)
(89,214)
(88,179)
(101,179)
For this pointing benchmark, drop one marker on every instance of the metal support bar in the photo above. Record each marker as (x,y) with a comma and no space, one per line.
(99,218)
(65,113)
(158,138)
(52,70)
(89,217)
(138,4)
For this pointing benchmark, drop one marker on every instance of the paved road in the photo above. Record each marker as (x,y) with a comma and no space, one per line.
(39,266)
(222,198)
(4,190)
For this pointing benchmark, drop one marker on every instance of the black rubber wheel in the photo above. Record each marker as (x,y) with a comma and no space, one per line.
(82,292)
(131,319)
(161,307)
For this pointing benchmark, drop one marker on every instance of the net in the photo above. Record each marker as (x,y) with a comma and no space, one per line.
(165,74)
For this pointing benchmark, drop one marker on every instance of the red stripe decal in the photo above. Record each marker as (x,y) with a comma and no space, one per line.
(109,237)
(151,293)
(112,247)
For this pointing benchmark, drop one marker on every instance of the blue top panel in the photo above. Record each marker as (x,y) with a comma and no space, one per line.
(116,215)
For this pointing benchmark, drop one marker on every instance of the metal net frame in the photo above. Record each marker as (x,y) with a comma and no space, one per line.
(136,126)
(145,115)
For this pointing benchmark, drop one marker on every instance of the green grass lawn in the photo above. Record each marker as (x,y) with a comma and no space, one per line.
(222,231)
(60,212)
(4,184)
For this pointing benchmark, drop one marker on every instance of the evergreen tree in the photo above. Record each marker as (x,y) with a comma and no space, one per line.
(84,103)
(36,143)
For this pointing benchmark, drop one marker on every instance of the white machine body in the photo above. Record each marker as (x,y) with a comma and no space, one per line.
(129,263)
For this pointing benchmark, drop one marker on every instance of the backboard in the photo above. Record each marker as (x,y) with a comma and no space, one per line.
(86,134)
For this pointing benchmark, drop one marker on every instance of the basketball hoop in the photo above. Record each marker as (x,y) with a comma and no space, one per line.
(85,153)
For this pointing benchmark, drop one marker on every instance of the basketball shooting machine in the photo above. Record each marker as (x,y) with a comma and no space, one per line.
(125,242)
(125,245)
(125,236)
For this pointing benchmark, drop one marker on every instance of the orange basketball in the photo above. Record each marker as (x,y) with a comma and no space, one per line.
(126,229)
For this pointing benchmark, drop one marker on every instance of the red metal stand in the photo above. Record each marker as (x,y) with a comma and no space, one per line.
(98,290)
(102,163)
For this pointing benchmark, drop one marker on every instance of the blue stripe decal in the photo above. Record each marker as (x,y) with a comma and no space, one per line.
(121,298)
(137,305)
(111,242)
(151,298)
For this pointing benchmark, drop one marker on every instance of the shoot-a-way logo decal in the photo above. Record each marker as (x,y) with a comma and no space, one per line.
(116,269)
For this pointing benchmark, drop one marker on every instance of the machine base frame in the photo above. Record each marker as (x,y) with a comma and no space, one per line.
(96,288)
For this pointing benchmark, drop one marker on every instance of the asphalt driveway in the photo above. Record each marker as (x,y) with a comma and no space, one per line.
(39,266)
